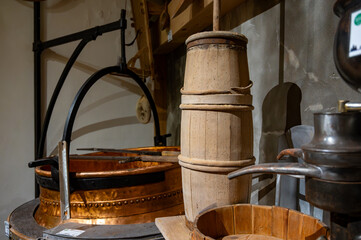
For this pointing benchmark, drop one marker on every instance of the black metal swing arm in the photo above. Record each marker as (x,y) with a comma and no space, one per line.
(90,34)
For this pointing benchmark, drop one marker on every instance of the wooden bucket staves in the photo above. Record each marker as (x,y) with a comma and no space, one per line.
(254,222)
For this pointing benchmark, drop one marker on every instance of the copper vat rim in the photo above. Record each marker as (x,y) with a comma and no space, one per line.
(125,172)
(115,173)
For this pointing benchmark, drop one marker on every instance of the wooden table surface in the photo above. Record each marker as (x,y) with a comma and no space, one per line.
(173,228)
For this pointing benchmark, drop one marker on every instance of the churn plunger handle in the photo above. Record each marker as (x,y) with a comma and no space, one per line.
(216,13)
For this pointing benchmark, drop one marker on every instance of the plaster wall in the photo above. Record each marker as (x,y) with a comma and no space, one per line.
(309,28)
(106,117)
(16,108)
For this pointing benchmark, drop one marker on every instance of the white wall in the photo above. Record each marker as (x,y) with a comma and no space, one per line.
(107,115)
(16,108)
(110,104)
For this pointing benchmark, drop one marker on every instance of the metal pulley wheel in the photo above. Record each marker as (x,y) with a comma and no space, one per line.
(143,110)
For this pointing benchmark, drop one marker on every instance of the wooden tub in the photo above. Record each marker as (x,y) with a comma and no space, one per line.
(253,222)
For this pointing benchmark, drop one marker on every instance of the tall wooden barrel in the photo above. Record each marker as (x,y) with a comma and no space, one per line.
(216,126)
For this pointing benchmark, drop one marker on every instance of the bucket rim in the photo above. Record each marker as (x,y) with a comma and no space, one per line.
(217,34)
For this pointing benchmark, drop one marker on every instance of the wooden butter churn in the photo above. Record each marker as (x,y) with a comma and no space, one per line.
(216,126)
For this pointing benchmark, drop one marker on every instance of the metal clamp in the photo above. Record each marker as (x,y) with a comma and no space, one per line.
(347,106)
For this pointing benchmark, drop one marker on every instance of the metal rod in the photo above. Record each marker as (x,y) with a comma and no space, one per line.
(89,33)
(353,106)
(37,85)
(64,180)
(122,69)
(38,47)
(278,168)
(90,82)
(86,36)
(123,26)
(90,157)
(278,190)
(125,159)
(79,98)
(346,106)
(54,97)
(153,153)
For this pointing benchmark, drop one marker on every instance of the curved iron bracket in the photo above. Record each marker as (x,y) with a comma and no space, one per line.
(158,139)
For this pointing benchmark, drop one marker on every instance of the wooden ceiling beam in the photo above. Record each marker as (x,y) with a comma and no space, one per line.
(196,17)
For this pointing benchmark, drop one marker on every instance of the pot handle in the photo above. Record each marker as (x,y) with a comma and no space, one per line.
(279,168)
(52,160)
(282,168)
(293,152)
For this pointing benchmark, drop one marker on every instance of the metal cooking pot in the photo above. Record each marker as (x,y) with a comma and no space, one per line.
(331,163)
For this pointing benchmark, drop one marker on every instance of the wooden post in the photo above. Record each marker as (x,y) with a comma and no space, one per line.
(216,12)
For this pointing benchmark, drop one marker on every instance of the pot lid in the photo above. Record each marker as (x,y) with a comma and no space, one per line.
(336,133)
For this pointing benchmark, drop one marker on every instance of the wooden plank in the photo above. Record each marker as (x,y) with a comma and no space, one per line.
(250,237)
(141,24)
(175,5)
(157,72)
(185,132)
(173,228)
(154,8)
(196,138)
(196,17)
(243,219)
(224,221)
(224,136)
(262,222)
(216,17)
(295,222)
(208,224)
(313,229)
(179,7)
(211,131)
(279,222)
(217,223)
(309,227)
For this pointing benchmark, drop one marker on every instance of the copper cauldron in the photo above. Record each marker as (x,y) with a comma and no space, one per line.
(107,191)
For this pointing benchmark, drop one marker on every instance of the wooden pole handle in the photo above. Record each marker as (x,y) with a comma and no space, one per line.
(216,13)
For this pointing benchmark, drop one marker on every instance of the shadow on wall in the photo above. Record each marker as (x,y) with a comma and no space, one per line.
(55,6)
(87,68)
(121,82)
(280,112)
(175,76)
